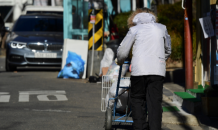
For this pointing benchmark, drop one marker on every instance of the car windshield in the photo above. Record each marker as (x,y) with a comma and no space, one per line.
(39,25)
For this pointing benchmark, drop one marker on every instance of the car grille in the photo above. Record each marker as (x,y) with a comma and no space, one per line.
(46,60)
(54,47)
(36,47)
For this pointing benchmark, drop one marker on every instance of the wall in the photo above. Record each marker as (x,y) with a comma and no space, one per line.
(202,63)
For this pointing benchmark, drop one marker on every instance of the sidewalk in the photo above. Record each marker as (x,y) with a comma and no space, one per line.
(2,52)
(176,116)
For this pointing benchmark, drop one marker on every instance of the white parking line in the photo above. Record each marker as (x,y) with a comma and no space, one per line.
(4,97)
(43,95)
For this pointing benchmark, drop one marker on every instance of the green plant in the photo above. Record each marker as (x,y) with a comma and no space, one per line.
(176,46)
(121,21)
(172,15)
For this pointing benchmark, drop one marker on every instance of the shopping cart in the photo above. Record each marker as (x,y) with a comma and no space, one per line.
(111,115)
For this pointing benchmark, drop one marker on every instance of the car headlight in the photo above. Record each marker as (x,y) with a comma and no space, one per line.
(18,45)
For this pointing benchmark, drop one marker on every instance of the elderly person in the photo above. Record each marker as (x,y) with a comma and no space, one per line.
(151,47)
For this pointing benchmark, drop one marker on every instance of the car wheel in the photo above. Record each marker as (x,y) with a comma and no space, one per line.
(9,67)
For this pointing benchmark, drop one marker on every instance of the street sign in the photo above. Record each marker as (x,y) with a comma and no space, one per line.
(92,18)
(95,33)
(98,30)
(207,26)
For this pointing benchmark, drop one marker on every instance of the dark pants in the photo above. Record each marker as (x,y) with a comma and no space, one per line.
(146,89)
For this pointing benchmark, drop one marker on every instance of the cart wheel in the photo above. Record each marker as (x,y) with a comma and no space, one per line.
(108,119)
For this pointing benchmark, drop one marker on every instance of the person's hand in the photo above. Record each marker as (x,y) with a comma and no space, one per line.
(117,62)
(106,34)
(130,67)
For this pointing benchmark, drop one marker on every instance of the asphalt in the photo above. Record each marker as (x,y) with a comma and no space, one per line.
(81,110)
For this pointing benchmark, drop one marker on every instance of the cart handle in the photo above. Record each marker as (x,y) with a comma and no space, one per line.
(126,62)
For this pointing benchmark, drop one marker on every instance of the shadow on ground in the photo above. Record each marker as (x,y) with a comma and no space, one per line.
(12,125)
(122,126)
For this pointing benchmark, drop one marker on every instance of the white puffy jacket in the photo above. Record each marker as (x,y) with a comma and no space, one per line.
(151,46)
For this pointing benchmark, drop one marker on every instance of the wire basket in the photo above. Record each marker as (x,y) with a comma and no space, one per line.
(107,81)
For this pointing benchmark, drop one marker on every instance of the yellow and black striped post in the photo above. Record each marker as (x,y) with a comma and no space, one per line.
(98,36)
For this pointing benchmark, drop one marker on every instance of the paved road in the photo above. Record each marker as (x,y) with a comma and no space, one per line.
(24,104)
(34,99)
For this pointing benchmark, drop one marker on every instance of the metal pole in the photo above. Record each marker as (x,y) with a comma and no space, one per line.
(103,25)
(93,45)
(188,53)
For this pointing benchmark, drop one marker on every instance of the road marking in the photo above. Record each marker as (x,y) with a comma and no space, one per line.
(45,98)
(23,98)
(4,97)
(43,95)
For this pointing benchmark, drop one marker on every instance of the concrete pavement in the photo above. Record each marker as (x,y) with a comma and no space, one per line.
(175,82)
(202,121)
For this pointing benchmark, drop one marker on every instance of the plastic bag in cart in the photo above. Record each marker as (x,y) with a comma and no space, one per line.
(122,101)
(107,59)
(113,71)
